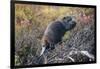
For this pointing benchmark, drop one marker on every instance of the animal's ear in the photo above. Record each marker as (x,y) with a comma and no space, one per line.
(63,18)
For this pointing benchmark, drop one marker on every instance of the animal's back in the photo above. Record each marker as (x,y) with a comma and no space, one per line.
(54,32)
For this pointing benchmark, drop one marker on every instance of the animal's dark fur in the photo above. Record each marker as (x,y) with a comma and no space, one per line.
(55,31)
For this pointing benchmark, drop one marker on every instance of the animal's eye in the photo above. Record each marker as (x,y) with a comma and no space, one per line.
(68,18)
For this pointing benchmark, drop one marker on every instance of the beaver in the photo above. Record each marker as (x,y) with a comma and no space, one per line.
(55,31)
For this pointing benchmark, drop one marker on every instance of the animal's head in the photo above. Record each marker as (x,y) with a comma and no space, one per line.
(69,22)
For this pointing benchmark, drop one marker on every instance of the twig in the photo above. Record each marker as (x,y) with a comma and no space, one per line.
(52,57)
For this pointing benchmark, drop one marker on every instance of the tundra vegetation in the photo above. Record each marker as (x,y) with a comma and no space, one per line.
(30,24)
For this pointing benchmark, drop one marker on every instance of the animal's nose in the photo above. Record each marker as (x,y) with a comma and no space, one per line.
(73,18)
